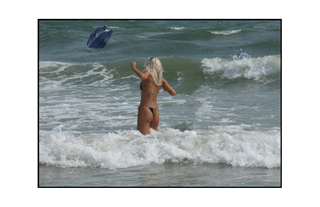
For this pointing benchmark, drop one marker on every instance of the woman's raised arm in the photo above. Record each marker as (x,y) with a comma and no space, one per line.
(141,75)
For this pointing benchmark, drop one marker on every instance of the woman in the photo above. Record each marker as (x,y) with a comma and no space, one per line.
(151,83)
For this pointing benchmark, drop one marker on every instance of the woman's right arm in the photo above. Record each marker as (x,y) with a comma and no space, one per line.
(168,88)
(141,75)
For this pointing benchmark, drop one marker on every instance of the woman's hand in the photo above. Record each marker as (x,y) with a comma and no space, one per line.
(133,65)
(141,75)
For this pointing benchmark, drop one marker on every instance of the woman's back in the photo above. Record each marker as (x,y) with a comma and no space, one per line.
(149,92)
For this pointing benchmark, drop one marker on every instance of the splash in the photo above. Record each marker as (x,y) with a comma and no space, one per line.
(242,66)
(122,149)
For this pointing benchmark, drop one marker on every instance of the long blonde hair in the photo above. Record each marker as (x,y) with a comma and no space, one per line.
(153,65)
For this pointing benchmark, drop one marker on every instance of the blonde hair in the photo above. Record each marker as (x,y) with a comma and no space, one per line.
(153,65)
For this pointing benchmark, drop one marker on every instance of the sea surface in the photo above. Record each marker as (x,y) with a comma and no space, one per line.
(222,129)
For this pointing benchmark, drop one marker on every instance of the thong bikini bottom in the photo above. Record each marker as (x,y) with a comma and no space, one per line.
(153,110)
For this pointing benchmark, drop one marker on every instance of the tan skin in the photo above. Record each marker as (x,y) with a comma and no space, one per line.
(145,116)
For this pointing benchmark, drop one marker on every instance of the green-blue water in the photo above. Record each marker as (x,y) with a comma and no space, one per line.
(223,122)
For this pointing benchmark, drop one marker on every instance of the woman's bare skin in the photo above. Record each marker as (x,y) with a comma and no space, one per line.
(149,94)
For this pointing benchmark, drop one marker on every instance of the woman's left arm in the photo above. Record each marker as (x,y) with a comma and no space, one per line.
(140,74)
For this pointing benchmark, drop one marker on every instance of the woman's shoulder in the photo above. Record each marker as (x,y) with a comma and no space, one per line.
(146,74)
(163,81)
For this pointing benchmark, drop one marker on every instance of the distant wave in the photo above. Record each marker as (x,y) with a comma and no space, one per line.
(177,28)
(259,27)
(227,32)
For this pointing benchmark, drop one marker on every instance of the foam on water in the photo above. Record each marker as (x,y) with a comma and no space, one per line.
(177,28)
(231,145)
(228,32)
(242,66)
(55,74)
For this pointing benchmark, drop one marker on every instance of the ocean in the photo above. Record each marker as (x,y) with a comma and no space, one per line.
(222,129)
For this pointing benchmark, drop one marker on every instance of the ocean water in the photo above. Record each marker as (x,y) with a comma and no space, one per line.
(222,129)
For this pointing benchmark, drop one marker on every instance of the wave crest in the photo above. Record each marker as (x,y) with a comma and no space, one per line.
(177,28)
(227,32)
(242,66)
(123,149)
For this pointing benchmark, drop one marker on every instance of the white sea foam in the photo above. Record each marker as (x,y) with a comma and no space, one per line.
(233,146)
(243,66)
(47,65)
(227,32)
(177,28)
(95,74)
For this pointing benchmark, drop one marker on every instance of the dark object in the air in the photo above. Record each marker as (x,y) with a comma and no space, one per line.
(99,37)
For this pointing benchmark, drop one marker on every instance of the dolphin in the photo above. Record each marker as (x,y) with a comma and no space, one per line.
(99,37)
